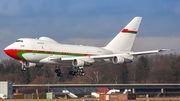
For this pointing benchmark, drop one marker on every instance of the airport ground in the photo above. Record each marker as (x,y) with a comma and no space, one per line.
(138,99)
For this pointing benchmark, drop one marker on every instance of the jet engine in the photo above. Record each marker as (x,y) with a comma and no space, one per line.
(77,63)
(119,60)
(30,65)
(80,63)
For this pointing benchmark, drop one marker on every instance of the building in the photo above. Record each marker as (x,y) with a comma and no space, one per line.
(154,90)
(6,88)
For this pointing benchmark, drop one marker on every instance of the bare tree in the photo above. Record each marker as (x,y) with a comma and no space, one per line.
(98,76)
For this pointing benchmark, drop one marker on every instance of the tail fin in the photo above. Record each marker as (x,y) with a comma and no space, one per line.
(125,39)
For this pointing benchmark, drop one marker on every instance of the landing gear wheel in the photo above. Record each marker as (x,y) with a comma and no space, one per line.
(77,71)
(75,74)
(71,72)
(23,68)
(58,71)
(82,74)
(59,74)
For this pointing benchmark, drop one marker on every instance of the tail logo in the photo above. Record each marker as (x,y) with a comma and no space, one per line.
(128,31)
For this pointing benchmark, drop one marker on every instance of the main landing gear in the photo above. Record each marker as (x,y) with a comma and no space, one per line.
(75,71)
(58,71)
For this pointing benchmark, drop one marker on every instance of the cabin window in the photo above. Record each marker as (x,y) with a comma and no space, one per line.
(19,40)
(22,45)
(40,43)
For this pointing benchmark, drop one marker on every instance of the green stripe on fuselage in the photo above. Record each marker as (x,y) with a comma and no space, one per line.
(24,52)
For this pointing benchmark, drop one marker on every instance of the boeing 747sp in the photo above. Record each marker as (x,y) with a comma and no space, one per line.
(38,52)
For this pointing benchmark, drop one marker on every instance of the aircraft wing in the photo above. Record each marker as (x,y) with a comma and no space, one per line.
(92,57)
(131,53)
(149,52)
(100,57)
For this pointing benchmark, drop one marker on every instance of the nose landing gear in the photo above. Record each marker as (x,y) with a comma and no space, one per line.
(23,65)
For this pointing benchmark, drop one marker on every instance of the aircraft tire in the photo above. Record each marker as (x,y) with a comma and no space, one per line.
(83,73)
(79,70)
(56,70)
(78,73)
(23,69)
(59,74)
(75,74)
(70,72)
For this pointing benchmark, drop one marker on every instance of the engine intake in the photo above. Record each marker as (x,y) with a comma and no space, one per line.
(77,63)
(119,60)
(80,63)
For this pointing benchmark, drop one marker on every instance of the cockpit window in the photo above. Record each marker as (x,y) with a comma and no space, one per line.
(19,40)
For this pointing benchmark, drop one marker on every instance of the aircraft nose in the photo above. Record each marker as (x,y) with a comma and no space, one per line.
(6,50)
(7,47)
(12,53)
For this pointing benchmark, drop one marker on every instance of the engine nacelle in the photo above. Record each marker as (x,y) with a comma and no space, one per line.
(78,63)
(30,65)
(120,59)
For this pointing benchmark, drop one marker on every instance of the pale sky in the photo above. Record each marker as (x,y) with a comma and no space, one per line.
(90,22)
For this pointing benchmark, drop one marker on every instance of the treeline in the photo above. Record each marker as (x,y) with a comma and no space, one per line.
(144,69)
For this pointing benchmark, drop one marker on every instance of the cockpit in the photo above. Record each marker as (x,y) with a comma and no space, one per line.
(19,40)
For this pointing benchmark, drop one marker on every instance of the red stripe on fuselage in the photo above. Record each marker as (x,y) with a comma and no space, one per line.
(13,53)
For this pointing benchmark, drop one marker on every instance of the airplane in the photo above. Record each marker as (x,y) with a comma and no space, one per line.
(37,52)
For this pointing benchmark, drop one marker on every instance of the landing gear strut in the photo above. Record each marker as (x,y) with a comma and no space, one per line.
(23,66)
(77,71)
(58,71)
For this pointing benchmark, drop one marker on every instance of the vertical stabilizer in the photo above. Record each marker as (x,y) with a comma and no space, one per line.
(125,39)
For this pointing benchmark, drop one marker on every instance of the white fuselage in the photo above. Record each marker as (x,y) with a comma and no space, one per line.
(40,51)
